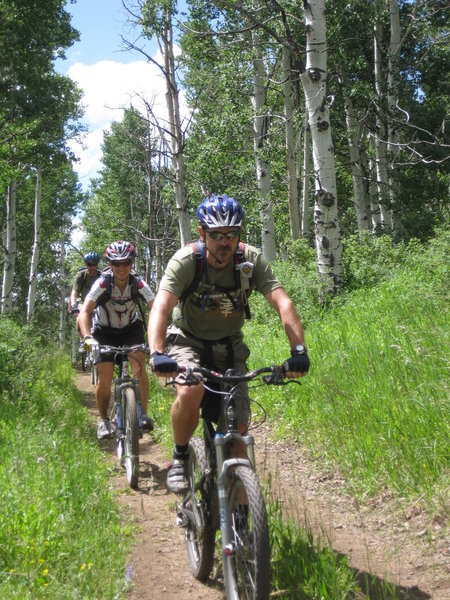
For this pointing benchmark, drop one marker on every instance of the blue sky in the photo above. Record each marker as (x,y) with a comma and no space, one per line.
(110,77)
(100,23)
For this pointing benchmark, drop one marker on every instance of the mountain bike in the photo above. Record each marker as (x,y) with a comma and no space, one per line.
(224,492)
(126,409)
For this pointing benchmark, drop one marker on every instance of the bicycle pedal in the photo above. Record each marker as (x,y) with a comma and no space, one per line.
(182,520)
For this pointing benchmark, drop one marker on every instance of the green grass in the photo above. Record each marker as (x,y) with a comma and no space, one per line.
(61,533)
(375,403)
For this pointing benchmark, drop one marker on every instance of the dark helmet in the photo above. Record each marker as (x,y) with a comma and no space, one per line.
(91,257)
(119,251)
(220,211)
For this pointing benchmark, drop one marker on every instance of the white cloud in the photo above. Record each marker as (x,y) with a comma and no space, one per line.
(108,88)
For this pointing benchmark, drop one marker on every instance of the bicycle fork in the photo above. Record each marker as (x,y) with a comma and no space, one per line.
(224,467)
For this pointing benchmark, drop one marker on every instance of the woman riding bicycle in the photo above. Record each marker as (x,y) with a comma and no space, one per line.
(116,323)
(208,318)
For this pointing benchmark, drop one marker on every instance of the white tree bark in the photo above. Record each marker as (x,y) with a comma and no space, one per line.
(62,304)
(306,188)
(354,137)
(173,108)
(291,149)
(380,137)
(393,81)
(327,229)
(262,168)
(9,264)
(32,280)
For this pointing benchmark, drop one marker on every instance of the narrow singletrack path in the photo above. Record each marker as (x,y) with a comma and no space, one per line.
(379,538)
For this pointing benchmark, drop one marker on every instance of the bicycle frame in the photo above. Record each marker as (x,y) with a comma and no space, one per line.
(126,409)
(231,485)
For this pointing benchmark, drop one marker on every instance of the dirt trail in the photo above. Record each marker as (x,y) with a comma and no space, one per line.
(379,538)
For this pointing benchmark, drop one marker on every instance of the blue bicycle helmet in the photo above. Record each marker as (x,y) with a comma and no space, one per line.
(91,257)
(120,250)
(220,211)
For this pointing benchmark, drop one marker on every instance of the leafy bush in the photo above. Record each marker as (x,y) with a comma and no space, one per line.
(368,259)
(298,275)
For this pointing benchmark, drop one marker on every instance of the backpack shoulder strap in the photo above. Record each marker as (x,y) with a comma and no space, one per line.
(200,260)
(106,295)
(243,273)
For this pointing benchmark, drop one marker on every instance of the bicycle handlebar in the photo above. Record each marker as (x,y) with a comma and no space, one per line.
(275,378)
(123,350)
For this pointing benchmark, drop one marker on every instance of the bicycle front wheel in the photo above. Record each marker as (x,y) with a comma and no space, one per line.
(131,441)
(247,567)
(94,374)
(83,361)
(200,531)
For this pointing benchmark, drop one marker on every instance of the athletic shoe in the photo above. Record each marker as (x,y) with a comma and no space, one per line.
(147,423)
(105,429)
(177,481)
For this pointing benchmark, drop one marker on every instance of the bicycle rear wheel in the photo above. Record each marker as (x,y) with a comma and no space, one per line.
(131,440)
(200,531)
(247,568)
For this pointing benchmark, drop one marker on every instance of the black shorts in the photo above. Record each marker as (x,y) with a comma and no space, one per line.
(110,336)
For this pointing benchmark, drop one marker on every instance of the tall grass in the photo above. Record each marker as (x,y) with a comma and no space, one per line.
(60,529)
(375,403)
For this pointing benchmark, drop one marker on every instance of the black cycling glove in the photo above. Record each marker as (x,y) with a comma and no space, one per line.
(163,363)
(298,362)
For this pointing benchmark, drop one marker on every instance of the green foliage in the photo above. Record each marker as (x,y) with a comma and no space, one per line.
(368,259)
(298,275)
(60,531)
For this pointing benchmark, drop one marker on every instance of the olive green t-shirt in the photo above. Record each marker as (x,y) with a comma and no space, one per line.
(83,282)
(215,310)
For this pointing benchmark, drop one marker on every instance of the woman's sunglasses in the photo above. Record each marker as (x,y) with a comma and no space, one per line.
(118,263)
(218,237)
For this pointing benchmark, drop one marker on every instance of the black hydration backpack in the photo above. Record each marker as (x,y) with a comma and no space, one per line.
(243,272)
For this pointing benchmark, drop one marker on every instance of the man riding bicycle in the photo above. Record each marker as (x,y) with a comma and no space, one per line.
(116,322)
(83,282)
(208,317)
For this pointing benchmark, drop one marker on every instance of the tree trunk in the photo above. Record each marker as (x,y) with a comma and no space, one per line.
(381,127)
(360,197)
(291,149)
(306,188)
(314,79)
(393,82)
(9,264)
(32,281)
(262,168)
(62,301)
(173,107)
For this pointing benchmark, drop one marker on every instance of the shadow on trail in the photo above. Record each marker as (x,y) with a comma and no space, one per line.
(377,588)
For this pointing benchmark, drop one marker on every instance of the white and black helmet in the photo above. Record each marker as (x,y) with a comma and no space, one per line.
(120,251)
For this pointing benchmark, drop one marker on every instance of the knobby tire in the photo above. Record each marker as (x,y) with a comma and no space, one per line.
(200,538)
(94,374)
(247,572)
(131,441)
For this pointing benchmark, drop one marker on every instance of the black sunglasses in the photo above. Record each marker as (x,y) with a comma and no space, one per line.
(91,264)
(218,236)
(118,263)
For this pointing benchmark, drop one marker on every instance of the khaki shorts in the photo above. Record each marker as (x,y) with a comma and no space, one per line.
(187,350)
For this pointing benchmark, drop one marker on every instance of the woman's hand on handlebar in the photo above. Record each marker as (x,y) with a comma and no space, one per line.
(161,363)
